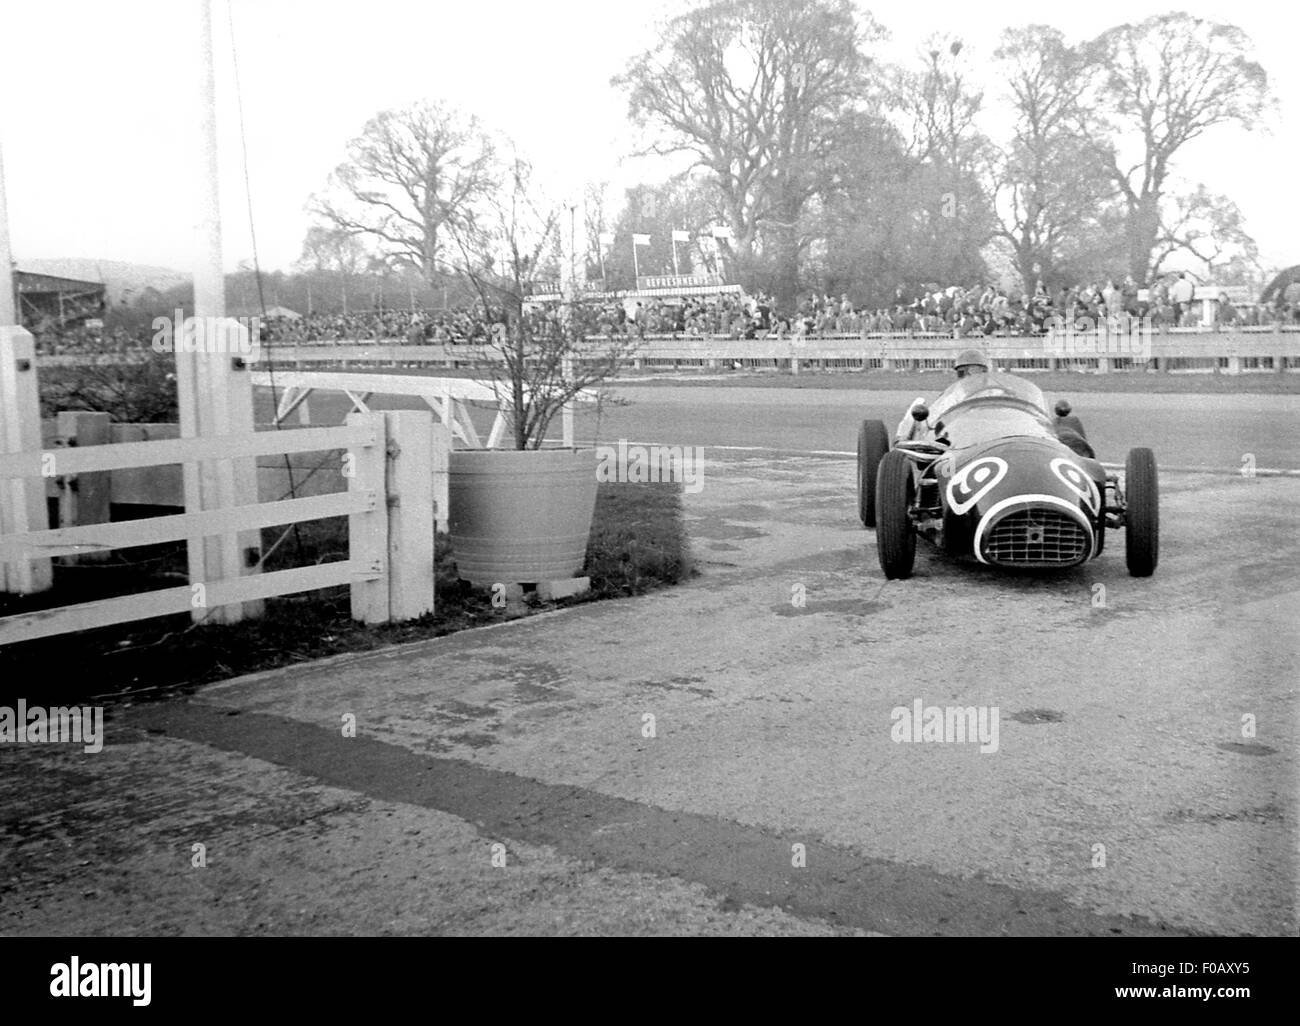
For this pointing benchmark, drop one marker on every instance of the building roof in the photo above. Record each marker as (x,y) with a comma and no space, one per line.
(29,283)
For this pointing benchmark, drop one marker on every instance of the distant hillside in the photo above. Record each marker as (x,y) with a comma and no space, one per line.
(123,279)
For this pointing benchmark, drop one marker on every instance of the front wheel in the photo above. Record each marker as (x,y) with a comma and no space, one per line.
(1142,513)
(873,443)
(895,537)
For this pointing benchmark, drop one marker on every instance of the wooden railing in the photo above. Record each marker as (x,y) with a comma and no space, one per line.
(389,503)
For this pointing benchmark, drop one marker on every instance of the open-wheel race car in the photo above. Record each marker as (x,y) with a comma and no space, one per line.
(990,473)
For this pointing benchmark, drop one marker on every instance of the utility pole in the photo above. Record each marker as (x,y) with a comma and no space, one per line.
(22,501)
(8,311)
(214,391)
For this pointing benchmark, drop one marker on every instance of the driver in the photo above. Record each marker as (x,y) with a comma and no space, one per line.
(969,362)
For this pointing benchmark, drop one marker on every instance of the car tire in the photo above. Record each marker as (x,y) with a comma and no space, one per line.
(895,537)
(1142,513)
(873,443)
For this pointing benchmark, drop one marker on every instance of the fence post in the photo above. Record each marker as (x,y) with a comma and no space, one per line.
(22,500)
(85,499)
(215,395)
(409,489)
(442,475)
(368,532)
(566,412)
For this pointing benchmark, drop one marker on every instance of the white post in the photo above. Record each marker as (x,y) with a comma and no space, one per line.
(368,532)
(8,313)
(442,476)
(566,412)
(22,500)
(410,491)
(213,385)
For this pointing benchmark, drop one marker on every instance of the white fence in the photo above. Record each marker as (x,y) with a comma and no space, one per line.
(1274,347)
(387,459)
(389,503)
(447,397)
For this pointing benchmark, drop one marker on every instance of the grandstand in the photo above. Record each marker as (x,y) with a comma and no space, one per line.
(46,301)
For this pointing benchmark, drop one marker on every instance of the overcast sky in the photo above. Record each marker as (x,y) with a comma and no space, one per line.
(97,104)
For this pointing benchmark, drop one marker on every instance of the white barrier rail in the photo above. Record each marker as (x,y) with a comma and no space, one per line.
(386,585)
(1279,344)
(447,397)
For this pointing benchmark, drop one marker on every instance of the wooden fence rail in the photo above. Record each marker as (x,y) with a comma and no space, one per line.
(389,504)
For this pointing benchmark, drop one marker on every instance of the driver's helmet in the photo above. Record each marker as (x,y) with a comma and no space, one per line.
(969,360)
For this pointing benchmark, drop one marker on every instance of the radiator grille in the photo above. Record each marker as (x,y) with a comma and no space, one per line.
(1037,537)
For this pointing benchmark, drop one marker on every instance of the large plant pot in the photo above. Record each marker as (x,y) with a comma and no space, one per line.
(520,517)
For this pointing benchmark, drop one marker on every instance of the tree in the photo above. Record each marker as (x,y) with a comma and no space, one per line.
(1209,227)
(936,108)
(866,220)
(755,91)
(1156,86)
(412,176)
(537,363)
(1049,190)
(326,249)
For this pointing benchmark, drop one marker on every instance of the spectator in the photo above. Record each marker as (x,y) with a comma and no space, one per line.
(1181,295)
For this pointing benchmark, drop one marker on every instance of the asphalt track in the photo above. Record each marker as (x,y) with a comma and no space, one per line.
(1184,430)
(1211,431)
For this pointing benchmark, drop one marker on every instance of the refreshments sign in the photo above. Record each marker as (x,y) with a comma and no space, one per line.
(677,281)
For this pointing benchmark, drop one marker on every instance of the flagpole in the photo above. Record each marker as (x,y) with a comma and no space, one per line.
(8,310)
(675,270)
(636,265)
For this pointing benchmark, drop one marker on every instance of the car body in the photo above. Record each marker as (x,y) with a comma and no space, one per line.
(989,473)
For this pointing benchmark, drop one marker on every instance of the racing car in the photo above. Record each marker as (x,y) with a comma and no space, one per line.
(989,473)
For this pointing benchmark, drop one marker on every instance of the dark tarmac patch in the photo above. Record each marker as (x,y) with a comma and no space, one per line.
(1033,716)
(738,863)
(718,529)
(677,684)
(1271,813)
(851,607)
(850,560)
(1245,748)
(1269,578)
(471,740)
(723,547)
(744,511)
(464,710)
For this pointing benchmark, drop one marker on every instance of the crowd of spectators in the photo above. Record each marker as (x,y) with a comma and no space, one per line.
(954,311)
(989,310)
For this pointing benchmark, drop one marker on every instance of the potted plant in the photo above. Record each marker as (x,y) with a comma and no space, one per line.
(523,514)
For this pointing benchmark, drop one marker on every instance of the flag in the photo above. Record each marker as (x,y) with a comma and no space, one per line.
(640,240)
(722,232)
(679,236)
(607,238)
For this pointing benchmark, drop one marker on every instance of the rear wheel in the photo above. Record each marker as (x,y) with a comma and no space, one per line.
(1142,513)
(895,537)
(873,443)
